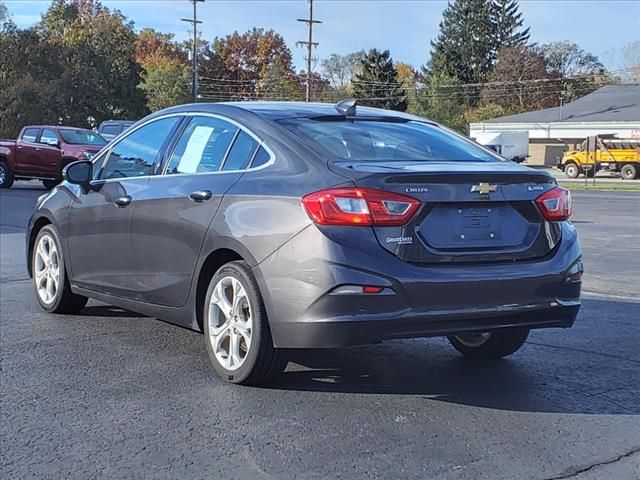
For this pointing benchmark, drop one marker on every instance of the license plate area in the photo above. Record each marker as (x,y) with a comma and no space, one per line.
(473,226)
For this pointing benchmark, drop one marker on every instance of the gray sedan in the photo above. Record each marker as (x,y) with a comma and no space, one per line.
(272,226)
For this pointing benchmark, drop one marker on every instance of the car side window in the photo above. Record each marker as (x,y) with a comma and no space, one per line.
(260,158)
(241,152)
(111,129)
(202,147)
(136,154)
(30,135)
(48,137)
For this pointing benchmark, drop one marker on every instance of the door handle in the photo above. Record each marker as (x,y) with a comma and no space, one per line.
(200,195)
(122,201)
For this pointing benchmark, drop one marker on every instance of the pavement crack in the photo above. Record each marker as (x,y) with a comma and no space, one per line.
(574,472)
(580,350)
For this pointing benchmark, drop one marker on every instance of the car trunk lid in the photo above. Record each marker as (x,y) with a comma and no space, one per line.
(470,211)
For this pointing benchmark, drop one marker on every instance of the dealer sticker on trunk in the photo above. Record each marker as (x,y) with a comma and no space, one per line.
(399,240)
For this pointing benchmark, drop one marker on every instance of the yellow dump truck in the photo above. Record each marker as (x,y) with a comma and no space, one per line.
(613,154)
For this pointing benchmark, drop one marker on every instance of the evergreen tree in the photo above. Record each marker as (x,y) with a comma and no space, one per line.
(465,47)
(507,20)
(376,84)
(472,32)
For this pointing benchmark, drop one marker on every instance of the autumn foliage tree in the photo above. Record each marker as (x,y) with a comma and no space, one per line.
(249,65)
(75,67)
(520,81)
(166,73)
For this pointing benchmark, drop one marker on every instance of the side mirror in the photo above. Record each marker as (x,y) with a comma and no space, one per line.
(79,173)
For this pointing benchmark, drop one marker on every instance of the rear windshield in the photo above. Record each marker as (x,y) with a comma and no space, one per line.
(82,137)
(375,140)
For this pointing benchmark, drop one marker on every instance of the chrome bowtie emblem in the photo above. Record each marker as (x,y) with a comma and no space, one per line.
(484,188)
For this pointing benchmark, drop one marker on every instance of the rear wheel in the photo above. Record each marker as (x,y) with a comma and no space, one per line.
(6,175)
(236,330)
(571,170)
(629,171)
(487,345)
(50,281)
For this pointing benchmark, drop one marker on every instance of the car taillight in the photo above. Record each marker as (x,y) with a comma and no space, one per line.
(555,204)
(359,206)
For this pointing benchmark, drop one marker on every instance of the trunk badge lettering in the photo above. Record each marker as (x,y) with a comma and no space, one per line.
(535,188)
(416,189)
(484,188)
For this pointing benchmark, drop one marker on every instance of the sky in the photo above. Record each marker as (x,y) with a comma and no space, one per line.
(405,27)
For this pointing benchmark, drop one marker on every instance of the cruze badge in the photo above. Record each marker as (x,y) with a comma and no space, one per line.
(416,189)
(484,188)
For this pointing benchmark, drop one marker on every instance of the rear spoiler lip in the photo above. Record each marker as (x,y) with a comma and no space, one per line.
(475,177)
(518,175)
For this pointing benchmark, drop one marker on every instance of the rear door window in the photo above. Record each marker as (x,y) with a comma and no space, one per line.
(202,147)
(241,152)
(49,137)
(30,135)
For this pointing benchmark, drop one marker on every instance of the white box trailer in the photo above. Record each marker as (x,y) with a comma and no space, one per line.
(511,145)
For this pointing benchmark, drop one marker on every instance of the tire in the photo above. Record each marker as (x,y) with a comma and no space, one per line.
(47,266)
(571,170)
(490,345)
(50,184)
(629,171)
(244,327)
(6,175)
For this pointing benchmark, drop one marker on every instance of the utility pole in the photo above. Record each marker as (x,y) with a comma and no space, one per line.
(194,21)
(309,44)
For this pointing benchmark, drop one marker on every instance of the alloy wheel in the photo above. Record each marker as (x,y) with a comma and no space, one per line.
(3,173)
(47,269)
(473,340)
(230,323)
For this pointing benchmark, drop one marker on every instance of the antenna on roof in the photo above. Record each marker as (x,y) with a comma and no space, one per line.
(347,107)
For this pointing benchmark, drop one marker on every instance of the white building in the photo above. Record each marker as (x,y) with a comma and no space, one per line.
(614,109)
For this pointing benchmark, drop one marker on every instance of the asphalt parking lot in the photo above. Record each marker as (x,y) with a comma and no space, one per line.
(110,394)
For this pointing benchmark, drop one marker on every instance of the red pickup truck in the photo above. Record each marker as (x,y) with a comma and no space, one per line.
(42,151)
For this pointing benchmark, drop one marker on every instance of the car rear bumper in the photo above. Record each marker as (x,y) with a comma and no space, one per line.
(308,308)
(350,331)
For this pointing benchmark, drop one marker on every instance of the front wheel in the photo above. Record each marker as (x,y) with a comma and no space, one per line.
(52,287)
(487,345)
(571,170)
(236,330)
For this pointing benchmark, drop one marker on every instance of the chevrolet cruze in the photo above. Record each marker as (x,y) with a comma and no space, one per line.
(271,226)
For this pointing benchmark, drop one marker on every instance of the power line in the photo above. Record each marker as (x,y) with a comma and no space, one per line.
(194,22)
(309,44)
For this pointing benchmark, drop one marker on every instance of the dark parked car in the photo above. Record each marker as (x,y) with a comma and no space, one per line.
(42,151)
(110,129)
(271,226)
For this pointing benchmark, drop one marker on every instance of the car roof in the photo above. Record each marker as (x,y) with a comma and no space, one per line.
(284,110)
(105,122)
(58,127)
